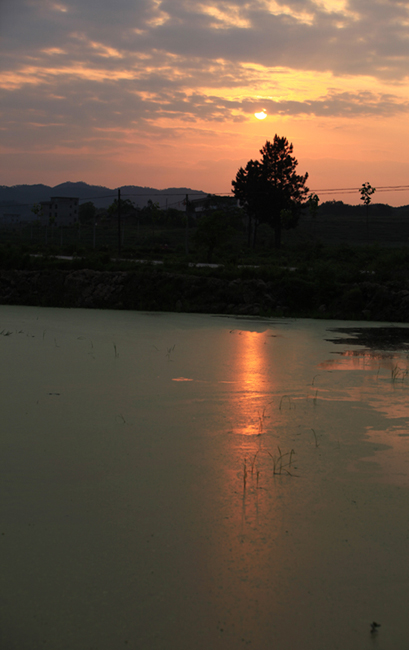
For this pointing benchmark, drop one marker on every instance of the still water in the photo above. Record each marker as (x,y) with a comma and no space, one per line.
(186,482)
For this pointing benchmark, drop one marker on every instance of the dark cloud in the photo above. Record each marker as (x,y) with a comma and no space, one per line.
(367,38)
(93,72)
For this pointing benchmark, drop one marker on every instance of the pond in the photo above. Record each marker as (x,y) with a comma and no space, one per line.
(187,482)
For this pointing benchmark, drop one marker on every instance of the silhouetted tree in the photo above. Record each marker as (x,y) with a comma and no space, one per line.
(38,211)
(313,204)
(366,192)
(214,230)
(87,212)
(127,207)
(270,190)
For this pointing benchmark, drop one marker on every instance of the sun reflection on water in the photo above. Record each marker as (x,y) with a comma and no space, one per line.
(254,384)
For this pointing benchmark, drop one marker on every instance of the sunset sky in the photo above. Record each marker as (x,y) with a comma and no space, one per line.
(162,93)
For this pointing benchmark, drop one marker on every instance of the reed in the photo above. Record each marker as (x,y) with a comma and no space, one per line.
(398,373)
(292,452)
(290,404)
(252,464)
(315,438)
(115,351)
(169,351)
(261,419)
(278,466)
(244,475)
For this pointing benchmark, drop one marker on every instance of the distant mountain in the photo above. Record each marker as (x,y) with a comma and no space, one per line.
(22,197)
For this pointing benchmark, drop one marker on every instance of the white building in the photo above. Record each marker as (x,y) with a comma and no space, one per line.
(60,210)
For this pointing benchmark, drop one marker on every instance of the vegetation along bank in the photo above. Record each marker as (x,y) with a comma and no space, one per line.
(370,285)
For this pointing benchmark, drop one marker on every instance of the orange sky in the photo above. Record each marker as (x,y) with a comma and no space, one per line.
(162,93)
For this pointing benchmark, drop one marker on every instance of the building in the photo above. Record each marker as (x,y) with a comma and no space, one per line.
(60,210)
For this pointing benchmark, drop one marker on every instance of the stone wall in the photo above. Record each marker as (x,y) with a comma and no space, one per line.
(162,291)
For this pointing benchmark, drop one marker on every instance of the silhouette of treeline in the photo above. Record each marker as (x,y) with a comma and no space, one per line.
(341,209)
(340,223)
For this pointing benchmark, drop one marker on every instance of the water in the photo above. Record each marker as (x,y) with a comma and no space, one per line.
(140,507)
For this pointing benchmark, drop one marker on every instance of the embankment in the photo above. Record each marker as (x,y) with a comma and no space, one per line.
(151,290)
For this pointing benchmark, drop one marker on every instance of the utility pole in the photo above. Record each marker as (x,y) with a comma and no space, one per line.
(119,222)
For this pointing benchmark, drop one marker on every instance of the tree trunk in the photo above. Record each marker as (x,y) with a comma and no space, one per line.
(256,222)
(277,236)
(249,231)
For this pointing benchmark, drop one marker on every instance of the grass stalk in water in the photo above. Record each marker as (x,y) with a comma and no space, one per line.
(261,419)
(252,464)
(278,466)
(290,404)
(398,374)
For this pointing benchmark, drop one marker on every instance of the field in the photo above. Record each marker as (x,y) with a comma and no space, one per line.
(165,240)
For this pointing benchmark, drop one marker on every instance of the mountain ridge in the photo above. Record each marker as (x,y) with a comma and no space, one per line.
(101,196)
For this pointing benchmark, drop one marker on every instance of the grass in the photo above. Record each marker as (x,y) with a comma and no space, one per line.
(398,373)
(290,404)
(169,351)
(261,419)
(305,279)
(278,465)
(282,466)
(254,460)
(244,475)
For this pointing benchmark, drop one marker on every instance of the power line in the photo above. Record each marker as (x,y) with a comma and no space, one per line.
(322,191)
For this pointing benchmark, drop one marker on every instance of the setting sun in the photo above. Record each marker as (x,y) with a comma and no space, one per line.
(143,104)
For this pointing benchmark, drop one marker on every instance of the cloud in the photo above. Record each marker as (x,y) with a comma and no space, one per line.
(347,38)
(100,75)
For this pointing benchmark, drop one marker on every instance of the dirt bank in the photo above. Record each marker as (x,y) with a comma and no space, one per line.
(149,289)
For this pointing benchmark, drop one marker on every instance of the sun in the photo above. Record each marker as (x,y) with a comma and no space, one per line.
(262,115)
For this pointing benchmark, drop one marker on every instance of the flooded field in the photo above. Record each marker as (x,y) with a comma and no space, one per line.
(186,482)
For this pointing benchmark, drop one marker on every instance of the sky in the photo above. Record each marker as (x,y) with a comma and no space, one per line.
(162,93)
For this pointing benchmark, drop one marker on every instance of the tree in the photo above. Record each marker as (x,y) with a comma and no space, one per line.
(214,230)
(270,189)
(313,204)
(127,207)
(366,192)
(38,211)
(154,213)
(87,212)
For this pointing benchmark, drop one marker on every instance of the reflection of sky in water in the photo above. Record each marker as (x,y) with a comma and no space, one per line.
(123,444)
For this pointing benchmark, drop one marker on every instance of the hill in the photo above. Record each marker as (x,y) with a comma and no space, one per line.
(24,196)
